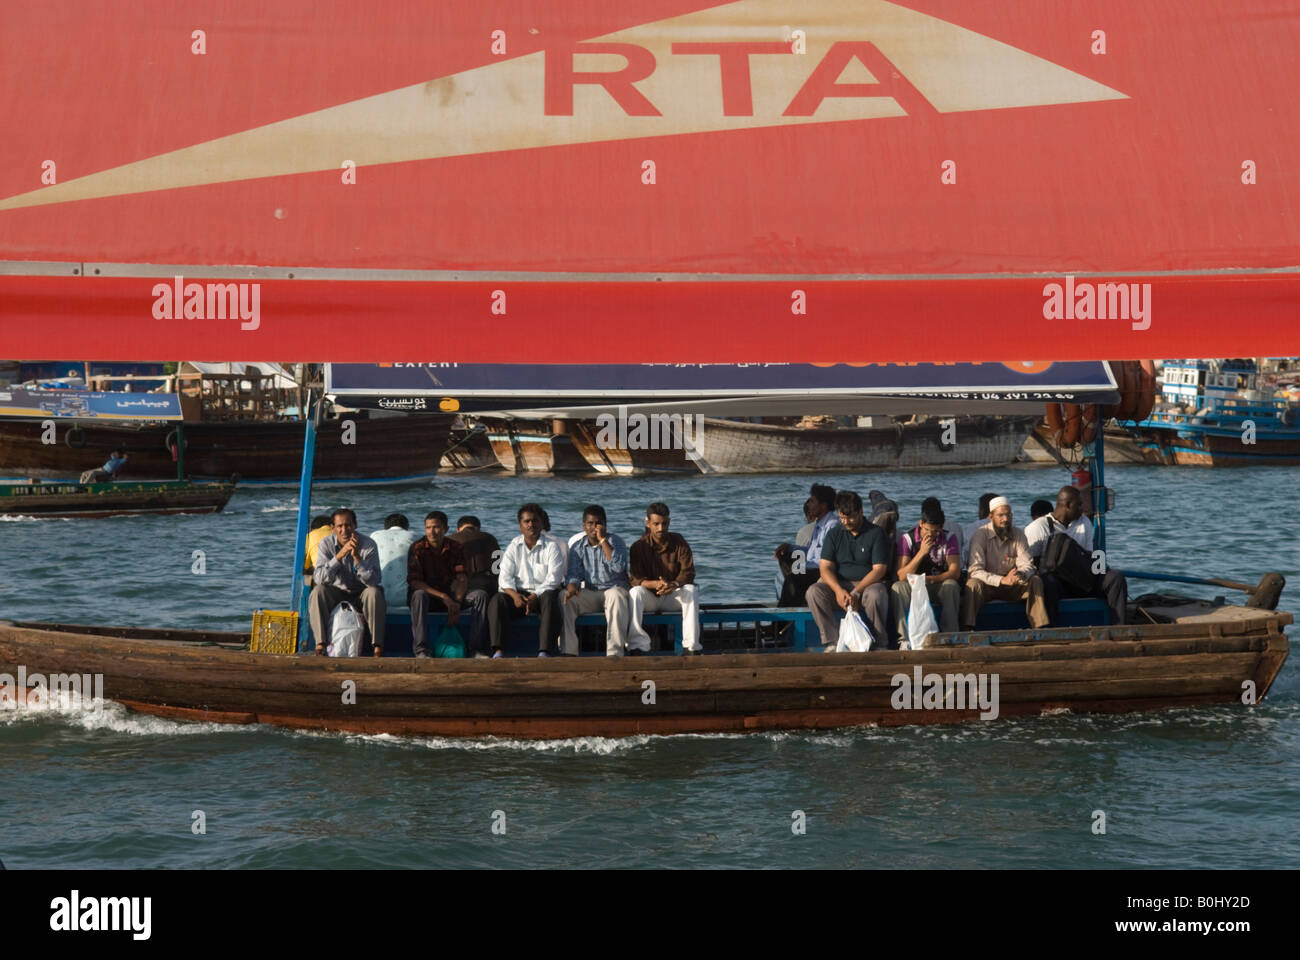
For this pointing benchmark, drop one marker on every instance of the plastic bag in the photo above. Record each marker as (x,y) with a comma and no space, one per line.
(347,628)
(920,617)
(450,643)
(855,635)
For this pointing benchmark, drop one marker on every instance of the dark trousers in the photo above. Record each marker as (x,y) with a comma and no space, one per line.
(1110,586)
(796,586)
(422,604)
(501,610)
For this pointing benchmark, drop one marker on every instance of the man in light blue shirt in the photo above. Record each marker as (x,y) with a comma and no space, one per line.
(820,509)
(597,579)
(347,568)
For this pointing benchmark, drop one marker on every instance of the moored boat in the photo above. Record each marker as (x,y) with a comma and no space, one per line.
(534,446)
(231,424)
(64,500)
(1218,413)
(730,446)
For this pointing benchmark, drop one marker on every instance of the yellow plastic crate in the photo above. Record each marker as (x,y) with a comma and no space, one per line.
(274,631)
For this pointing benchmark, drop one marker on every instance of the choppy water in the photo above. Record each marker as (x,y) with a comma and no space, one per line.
(1211,787)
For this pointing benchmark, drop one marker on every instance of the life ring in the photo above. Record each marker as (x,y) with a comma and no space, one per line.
(1110,409)
(986,426)
(75,438)
(1146,389)
(1073,424)
(1055,420)
(1128,390)
(169,444)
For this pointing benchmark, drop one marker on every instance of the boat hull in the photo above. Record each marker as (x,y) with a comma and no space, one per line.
(386,450)
(726,446)
(620,461)
(1209,447)
(93,500)
(533,446)
(1104,670)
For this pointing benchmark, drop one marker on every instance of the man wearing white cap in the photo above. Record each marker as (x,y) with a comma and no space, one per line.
(1001,569)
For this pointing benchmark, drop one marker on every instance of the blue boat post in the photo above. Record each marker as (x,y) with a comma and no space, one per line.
(298,595)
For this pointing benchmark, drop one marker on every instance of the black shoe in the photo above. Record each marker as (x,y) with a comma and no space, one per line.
(638,653)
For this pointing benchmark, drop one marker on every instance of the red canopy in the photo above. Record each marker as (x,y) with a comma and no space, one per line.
(934,179)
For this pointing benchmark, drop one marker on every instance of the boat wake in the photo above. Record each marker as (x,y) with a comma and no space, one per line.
(112,717)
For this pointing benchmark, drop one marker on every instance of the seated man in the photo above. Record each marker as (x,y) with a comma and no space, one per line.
(853,564)
(597,580)
(394,543)
(109,471)
(663,577)
(482,558)
(820,509)
(435,579)
(785,552)
(1001,569)
(532,572)
(929,549)
(1068,518)
(968,531)
(318,530)
(347,568)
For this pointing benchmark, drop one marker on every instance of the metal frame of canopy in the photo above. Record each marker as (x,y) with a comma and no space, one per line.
(995,399)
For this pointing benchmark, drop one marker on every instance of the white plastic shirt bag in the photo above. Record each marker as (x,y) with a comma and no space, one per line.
(346,629)
(920,617)
(855,636)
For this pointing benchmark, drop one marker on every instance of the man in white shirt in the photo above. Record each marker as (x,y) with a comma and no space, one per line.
(820,509)
(394,543)
(529,582)
(1068,518)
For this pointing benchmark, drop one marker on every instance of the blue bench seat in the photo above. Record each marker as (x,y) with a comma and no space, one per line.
(731,626)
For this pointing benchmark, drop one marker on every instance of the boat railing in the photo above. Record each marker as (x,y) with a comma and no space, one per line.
(1224,408)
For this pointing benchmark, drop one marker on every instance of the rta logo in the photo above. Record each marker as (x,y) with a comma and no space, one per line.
(733,61)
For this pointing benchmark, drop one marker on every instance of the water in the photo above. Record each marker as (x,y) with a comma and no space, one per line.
(1208,787)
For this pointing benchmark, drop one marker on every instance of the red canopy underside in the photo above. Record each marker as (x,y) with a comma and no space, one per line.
(1136,168)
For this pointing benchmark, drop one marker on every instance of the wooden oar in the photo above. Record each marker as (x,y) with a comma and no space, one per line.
(1264,595)
(1230,584)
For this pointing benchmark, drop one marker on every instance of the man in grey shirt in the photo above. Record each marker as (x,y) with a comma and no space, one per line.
(347,568)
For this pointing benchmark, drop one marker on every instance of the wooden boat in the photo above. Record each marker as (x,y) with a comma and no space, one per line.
(624,462)
(735,446)
(469,452)
(534,446)
(54,499)
(1204,657)
(729,446)
(385,450)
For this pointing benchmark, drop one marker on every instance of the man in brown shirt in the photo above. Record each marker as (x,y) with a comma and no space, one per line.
(435,579)
(663,578)
(1001,569)
(482,561)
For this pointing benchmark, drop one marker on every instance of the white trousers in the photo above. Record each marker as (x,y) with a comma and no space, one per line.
(614,601)
(646,601)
